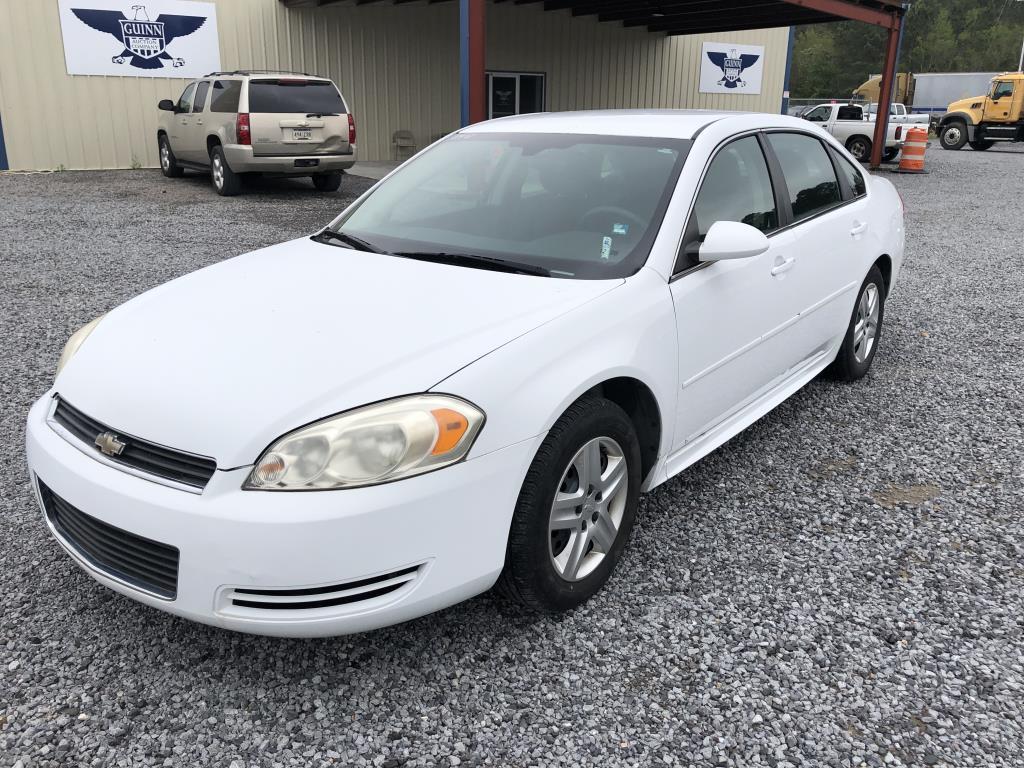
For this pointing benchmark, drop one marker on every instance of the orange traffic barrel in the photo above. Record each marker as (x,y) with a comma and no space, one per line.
(912,155)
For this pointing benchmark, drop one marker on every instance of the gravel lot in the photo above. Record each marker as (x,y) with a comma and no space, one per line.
(841,585)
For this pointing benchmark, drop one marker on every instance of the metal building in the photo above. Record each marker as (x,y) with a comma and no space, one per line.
(397,63)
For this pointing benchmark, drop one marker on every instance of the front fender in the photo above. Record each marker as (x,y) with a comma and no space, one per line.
(526,385)
(951,116)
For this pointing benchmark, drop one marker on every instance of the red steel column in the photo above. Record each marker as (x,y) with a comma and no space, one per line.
(885,92)
(472,61)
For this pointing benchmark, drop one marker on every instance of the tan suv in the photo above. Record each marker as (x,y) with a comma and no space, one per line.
(275,123)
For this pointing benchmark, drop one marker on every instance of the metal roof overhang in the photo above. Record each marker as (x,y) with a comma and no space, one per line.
(688,17)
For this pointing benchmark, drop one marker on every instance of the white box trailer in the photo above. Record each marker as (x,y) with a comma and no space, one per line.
(935,91)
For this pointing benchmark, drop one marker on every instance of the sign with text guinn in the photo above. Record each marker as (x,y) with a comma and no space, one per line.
(731,68)
(159,38)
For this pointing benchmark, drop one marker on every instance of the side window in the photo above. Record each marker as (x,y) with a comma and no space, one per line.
(1002,89)
(810,177)
(853,175)
(819,114)
(200,101)
(850,112)
(185,102)
(226,94)
(737,187)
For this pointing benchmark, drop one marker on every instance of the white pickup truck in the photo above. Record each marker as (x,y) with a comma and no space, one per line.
(846,122)
(898,113)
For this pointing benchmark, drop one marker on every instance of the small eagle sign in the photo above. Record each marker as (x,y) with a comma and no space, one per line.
(731,68)
(156,39)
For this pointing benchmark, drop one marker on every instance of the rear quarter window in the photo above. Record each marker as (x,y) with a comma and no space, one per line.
(225,95)
(296,95)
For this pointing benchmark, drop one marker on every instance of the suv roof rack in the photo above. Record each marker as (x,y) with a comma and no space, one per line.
(244,72)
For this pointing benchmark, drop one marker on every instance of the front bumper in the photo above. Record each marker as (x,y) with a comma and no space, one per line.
(242,160)
(450,526)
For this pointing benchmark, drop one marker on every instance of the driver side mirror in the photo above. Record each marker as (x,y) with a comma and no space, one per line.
(166,105)
(732,240)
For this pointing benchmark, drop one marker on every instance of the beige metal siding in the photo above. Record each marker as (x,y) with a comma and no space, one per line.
(396,65)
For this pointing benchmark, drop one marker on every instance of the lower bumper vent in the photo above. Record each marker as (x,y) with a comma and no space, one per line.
(141,563)
(324,597)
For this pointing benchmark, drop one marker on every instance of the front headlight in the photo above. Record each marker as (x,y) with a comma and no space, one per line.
(370,445)
(75,342)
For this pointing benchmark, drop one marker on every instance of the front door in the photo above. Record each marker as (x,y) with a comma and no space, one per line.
(1002,104)
(178,129)
(514,93)
(193,145)
(733,316)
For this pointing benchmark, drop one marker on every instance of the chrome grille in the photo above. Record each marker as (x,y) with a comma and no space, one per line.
(168,463)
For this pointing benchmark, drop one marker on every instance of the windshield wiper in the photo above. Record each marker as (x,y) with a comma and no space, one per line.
(323,114)
(360,245)
(476,261)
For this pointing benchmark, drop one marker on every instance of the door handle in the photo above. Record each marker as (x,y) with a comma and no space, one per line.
(859,228)
(199,122)
(783,265)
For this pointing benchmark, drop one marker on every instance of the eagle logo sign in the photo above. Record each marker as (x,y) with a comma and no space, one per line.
(145,42)
(732,66)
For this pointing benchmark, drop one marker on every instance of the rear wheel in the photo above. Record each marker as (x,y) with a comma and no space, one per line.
(981,145)
(225,181)
(890,154)
(954,135)
(168,162)
(575,510)
(864,332)
(859,147)
(327,182)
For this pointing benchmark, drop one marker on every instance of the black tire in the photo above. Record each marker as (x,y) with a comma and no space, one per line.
(859,147)
(889,154)
(530,576)
(981,145)
(225,181)
(848,365)
(953,135)
(327,182)
(168,162)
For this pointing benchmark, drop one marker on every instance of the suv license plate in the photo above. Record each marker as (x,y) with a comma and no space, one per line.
(302,134)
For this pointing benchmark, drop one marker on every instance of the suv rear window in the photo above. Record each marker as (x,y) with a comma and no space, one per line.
(294,96)
(225,96)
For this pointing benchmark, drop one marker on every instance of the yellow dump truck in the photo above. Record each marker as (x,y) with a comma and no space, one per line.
(981,121)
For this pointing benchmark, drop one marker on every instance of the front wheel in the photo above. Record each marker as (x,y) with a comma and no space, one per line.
(327,182)
(168,162)
(575,510)
(954,135)
(860,148)
(864,332)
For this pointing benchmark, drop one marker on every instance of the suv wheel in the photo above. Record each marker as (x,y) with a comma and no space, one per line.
(168,162)
(327,182)
(225,181)
(575,510)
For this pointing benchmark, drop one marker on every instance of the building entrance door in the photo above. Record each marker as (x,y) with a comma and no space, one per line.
(514,93)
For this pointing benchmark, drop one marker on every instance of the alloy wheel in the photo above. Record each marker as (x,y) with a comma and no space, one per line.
(588,508)
(165,156)
(218,172)
(865,330)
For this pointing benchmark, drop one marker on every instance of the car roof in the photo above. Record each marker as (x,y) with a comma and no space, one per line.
(654,123)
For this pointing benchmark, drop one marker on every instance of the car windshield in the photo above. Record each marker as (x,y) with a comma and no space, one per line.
(573,206)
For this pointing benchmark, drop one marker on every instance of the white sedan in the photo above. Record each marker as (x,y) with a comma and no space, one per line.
(469,377)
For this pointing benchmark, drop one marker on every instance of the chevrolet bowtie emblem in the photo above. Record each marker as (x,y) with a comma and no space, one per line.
(109,444)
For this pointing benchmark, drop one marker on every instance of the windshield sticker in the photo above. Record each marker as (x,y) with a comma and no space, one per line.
(606,248)
(620,229)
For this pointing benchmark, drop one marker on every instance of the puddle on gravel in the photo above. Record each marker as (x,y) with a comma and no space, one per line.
(913,495)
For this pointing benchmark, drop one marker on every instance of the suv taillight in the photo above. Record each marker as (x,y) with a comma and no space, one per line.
(351,129)
(242,129)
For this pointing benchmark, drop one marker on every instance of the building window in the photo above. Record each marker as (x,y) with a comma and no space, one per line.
(514,93)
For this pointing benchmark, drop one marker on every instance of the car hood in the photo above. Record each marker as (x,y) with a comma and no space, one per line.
(223,361)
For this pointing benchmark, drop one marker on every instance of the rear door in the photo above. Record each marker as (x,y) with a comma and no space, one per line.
(297,116)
